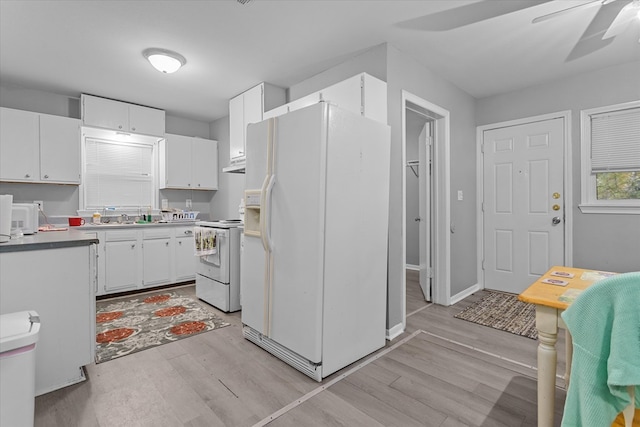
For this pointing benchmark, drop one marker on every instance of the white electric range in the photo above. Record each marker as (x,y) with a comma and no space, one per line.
(218,274)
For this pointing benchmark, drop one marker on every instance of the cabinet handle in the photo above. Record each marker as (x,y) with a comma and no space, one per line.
(46,176)
(27,176)
(166,243)
(180,243)
(189,232)
(133,129)
(133,246)
(119,126)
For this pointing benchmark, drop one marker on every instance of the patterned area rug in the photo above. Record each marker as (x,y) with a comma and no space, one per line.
(503,311)
(134,323)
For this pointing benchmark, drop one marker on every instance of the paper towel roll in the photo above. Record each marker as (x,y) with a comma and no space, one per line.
(6,205)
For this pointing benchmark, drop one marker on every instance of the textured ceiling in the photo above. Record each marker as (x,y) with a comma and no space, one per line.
(484,47)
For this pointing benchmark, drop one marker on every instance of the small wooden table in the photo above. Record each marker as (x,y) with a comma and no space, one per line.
(552,294)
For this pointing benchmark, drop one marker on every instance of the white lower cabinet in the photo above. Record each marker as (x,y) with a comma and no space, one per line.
(122,255)
(184,249)
(157,256)
(135,258)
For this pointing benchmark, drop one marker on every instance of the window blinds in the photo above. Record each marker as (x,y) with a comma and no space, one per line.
(615,141)
(118,174)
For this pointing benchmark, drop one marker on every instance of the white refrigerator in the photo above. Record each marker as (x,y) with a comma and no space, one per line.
(314,258)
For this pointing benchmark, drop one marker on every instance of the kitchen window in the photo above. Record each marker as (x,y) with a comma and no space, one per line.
(610,144)
(119,172)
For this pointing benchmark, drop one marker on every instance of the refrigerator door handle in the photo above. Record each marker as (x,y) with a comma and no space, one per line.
(263,209)
(266,231)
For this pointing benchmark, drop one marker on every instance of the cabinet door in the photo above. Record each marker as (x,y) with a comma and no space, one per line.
(184,259)
(346,94)
(105,113)
(253,106)
(157,261)
(204,173)
(146,120)
(122,260)
(236,127)
(177,161)
(59,149)
(19,145)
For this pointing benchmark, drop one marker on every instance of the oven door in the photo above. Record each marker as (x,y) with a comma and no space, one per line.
(216,266)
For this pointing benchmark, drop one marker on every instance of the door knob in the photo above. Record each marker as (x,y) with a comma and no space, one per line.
(417,219)
(556,220)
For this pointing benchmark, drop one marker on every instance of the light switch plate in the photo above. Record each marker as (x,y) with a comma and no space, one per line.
(188,203)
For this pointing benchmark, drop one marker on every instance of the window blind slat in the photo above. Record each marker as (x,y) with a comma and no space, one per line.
(615,141)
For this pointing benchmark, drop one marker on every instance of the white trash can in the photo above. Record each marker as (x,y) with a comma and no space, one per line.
(18,337)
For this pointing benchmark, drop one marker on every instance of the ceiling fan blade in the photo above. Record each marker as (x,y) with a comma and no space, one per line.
(626,15)
(567,10)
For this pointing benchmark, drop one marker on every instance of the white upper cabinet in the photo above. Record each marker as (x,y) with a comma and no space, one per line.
(246,108)
(19,145)
(121,116)
(362,94)
(39,147)
(59,149)
(188,163)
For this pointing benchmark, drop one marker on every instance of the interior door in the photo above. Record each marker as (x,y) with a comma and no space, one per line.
(424,208)
(523,203)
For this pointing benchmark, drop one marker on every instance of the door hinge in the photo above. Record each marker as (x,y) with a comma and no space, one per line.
(482,264)
(482,148)
(482,206)
(430,141)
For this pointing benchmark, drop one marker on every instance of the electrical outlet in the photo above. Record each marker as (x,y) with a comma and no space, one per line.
(188,203)
(40,204)
(460,196)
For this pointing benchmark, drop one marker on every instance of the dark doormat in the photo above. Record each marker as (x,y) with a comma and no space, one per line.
(503,311)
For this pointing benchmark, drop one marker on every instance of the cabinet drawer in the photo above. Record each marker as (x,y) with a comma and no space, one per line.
(156,233)
(121,235)
(183,231)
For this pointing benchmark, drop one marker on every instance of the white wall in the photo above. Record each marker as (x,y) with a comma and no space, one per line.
(405,73)
(606,242)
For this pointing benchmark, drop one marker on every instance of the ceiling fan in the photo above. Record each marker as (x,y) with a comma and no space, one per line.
(626,15)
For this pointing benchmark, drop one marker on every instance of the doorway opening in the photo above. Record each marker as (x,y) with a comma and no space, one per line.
(426,192)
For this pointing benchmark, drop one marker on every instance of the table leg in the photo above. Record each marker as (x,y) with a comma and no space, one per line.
(569,358)
(547,325)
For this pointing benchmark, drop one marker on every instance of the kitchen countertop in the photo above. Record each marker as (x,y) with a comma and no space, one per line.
(50,240)
(112,225)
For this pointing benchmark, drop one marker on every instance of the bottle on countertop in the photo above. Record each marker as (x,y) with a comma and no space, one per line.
(96,218)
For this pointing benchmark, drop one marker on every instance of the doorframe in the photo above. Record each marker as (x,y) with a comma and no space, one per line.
(567,183)
(441,208)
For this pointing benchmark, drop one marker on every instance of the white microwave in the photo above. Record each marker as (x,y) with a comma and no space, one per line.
(24,216)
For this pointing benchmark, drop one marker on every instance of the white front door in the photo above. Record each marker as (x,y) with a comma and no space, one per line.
(523,203)
(424,208)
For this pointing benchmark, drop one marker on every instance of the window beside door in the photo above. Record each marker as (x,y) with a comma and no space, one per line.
(610,143)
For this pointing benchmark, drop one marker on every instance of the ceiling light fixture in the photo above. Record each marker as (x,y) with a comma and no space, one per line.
(164,60)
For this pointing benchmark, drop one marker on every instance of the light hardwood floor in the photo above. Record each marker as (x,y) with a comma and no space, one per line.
(441,372)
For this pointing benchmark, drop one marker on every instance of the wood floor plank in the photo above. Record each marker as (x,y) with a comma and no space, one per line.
(328,410)
(366,380)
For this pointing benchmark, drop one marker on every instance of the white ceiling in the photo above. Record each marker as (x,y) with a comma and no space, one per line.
(484,47)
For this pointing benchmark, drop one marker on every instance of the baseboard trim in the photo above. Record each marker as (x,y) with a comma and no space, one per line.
(394,332)
(462,295)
